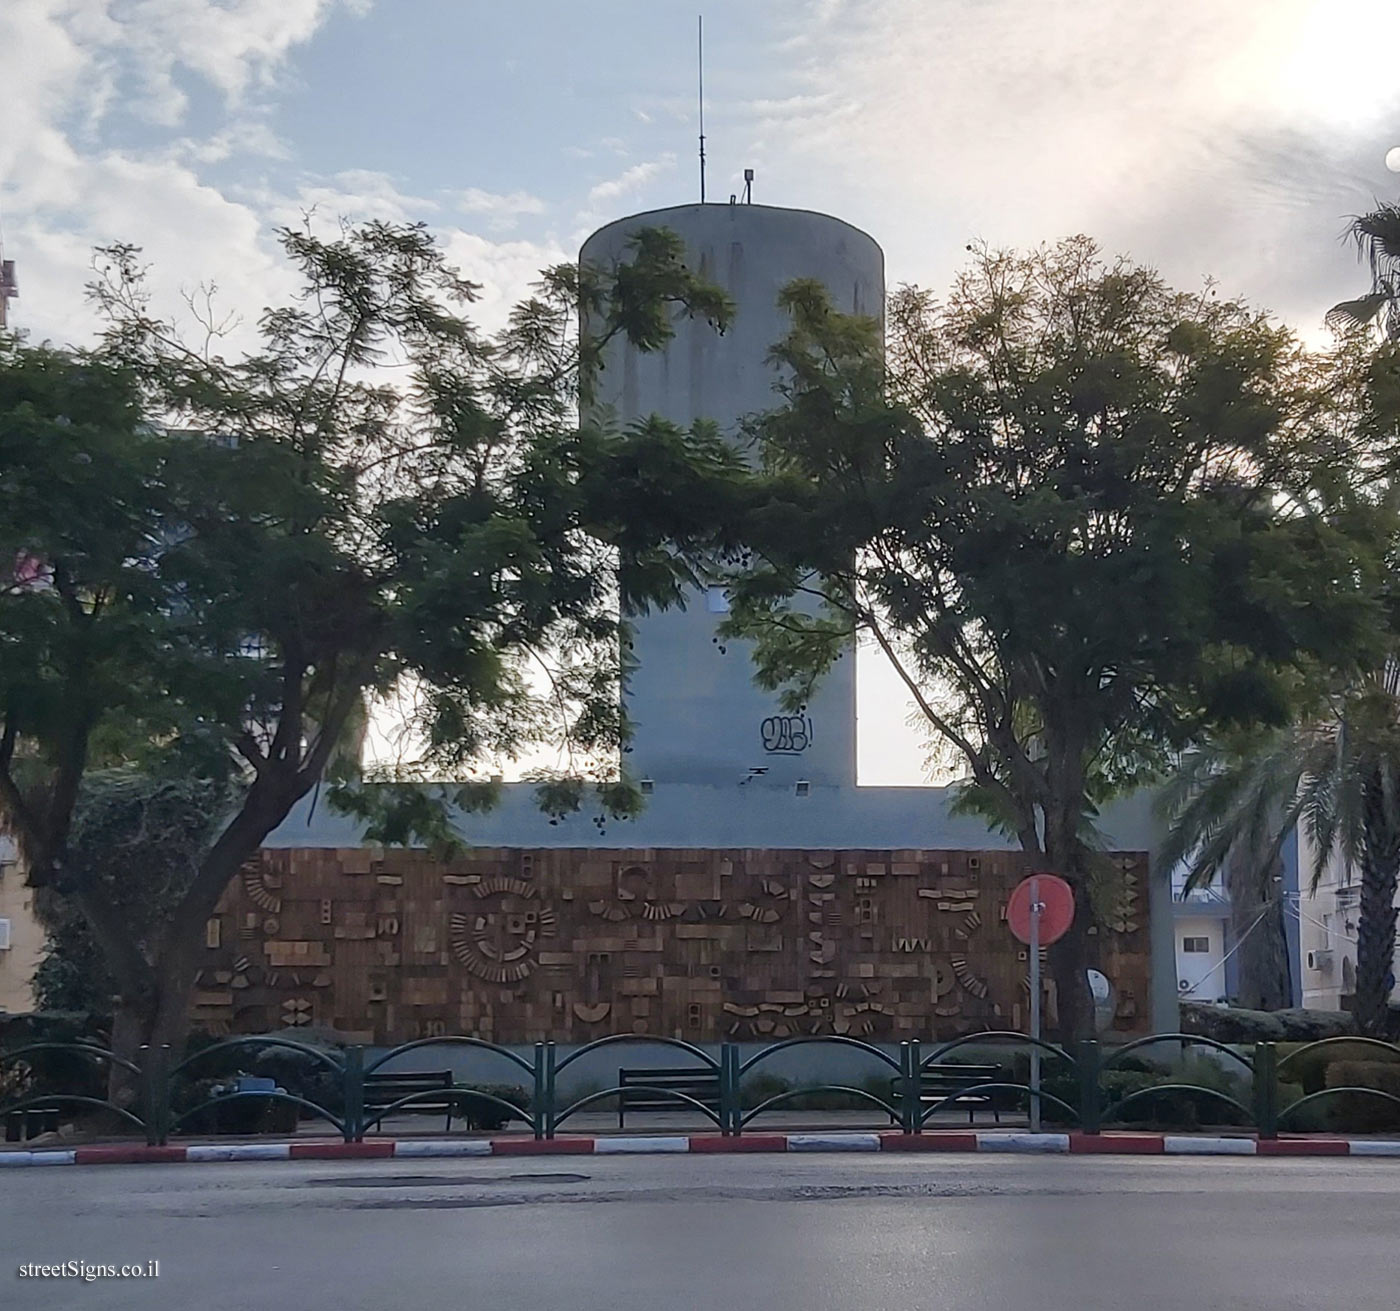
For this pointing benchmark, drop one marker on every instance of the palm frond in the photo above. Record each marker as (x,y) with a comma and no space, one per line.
(1357,313)
(1231,798)
(1377,236)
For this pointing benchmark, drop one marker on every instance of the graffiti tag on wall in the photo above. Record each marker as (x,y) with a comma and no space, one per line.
(786,735)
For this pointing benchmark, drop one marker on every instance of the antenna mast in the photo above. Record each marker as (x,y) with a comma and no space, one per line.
(700,64)
(9,284)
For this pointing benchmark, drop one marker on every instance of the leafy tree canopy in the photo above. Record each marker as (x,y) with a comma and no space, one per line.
(1084,514)
(225,557)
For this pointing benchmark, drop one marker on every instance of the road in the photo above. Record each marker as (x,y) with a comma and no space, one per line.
(777,1233)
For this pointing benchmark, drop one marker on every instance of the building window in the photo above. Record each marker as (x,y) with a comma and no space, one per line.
(1195,944)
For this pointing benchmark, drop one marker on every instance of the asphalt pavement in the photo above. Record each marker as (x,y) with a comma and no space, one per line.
(656,1233)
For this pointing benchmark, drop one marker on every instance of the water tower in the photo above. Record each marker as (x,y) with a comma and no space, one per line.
(698,716)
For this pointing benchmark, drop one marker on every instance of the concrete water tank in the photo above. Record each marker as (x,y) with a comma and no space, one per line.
(697,715)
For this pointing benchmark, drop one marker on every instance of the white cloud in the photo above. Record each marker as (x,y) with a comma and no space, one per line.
(631,179)
(1203,137)
(71,65)
(501,210)
(67,190)
(505,270)
(233,45)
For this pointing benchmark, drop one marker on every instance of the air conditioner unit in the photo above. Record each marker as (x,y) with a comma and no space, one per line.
(4,935)
(1320,960)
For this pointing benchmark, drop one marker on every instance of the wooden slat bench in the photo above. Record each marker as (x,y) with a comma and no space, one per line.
(945,1080)
(22,1125)
(383,1090)
(703,1085)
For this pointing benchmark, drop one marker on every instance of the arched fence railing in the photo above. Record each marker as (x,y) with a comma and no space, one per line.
(913,1086)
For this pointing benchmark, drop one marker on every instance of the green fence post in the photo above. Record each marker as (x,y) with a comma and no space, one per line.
(155,1093)
(913,1068)
(728,1091)
(736,1087)
(550,1091)
(1266,1089)
(537,1101)
(354,1090)
(1090,1106)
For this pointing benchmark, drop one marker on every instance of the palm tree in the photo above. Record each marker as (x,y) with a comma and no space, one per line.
(1339,774)
(1377,238)
(1224,801)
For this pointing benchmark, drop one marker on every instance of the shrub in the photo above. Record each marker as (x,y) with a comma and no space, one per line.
(576,1092)
(52,1072)
(1308,1064)
(1178,1109)
(481,1114)
(1357,1112)
(243,1115)
(758,1088)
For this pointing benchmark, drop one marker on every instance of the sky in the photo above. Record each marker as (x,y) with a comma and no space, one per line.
(1224,138)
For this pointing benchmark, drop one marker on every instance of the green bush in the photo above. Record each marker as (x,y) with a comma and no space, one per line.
(243,1116)
(481,1114)
(576,1092)
(758,1088)
(295,1072)
(1357,1112)
(815,1096)
(1177,1109)
(1307,1064)
(51,1071)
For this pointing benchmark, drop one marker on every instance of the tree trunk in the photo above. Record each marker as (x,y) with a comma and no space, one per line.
(1068,959)
(1265,983)
(1375,935)
(157,1017)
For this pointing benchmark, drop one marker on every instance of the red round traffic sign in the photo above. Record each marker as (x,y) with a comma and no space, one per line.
(1056,899)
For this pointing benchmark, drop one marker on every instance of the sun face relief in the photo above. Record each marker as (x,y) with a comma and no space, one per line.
(497,942)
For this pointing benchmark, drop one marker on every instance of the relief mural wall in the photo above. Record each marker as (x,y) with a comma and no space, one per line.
(520,945)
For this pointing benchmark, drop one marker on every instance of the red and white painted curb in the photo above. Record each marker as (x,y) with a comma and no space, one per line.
(1150,1144)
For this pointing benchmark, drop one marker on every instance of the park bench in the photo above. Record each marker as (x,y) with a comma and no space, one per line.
(703,1085)
(30,1122)
(946,1080)
(383,1090)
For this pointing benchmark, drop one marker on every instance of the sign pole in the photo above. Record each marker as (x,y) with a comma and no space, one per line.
(1035,1004)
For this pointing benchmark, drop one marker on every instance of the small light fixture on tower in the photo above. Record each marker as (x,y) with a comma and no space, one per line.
(748,186)
(803,787)
(648,786)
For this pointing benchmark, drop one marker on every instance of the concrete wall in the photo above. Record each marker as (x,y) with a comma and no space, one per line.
(764,816)
(737,815)
(697,715)
(1327,923)
(1202,972)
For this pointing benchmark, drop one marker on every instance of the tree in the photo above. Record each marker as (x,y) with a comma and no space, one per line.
(141,837)
(224,558)
(1377,239)
(1243,849)
(1336,766)
(1338,772)
(1084,515)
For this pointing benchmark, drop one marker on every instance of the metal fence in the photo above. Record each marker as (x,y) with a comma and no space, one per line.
(158,1105)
